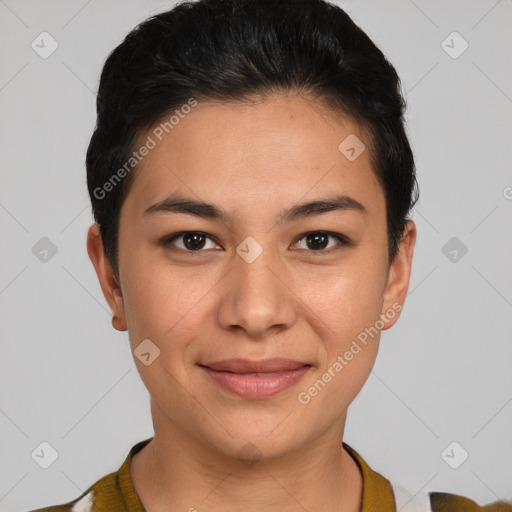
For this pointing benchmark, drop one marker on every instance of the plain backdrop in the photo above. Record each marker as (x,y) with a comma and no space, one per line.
(443,374)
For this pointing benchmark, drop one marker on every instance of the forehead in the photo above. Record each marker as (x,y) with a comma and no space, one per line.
(261,155)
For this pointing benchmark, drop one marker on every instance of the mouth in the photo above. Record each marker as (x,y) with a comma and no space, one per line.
(256,379)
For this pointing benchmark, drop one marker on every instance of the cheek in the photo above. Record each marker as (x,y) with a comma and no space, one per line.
(346,300)
(168,304)
(348,307)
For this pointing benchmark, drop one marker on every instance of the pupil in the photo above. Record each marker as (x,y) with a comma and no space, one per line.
(317,238)
(194,237)
(195,241)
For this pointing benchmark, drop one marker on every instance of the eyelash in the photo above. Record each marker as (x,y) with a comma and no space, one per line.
(342,241)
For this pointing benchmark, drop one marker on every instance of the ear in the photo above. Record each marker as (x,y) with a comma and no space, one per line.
(106,277)
(398,277)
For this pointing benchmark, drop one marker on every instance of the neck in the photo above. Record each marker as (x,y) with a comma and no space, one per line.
(175,471)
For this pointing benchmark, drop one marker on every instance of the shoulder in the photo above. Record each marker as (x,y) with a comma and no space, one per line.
(406,501)
(84,503)
(112,492)
(447,502)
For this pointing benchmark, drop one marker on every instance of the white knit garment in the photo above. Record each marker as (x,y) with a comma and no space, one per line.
(406,503)
(84,504)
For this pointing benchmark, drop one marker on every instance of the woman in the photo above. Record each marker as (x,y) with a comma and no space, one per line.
(251,182)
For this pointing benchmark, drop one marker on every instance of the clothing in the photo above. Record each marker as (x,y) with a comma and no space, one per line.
(115,493)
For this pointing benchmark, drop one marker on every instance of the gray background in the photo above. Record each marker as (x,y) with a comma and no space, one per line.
(443,372)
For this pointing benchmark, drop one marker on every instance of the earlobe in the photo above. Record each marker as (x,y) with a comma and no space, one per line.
(398,277)
(118,325)
(109,285)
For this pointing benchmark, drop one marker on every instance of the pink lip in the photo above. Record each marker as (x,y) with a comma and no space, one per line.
(243,377)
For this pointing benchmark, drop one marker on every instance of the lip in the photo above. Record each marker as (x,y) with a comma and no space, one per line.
(256,379)
(275,364)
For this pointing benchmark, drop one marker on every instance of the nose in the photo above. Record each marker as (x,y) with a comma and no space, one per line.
(257,296)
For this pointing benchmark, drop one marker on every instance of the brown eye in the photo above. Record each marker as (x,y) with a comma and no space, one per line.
(317,241)
(194,241)
(191,241)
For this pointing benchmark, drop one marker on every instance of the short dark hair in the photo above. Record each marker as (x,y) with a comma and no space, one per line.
(225,50)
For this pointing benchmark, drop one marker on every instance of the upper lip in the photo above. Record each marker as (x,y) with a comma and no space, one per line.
(275,364)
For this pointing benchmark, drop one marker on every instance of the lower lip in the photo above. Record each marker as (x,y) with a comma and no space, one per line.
(257,386)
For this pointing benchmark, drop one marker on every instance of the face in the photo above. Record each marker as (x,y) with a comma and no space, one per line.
(253,278)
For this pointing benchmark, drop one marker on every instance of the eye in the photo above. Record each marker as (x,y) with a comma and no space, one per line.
(195,241)
(318,240)
(191,241)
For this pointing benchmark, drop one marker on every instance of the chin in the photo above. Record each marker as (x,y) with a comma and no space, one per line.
(255,441)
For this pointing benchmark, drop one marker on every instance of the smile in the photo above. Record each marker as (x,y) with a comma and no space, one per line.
(249,380)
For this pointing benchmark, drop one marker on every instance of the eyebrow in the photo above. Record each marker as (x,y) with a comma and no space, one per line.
(176,203)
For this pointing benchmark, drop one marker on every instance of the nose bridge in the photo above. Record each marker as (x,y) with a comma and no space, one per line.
(256,295)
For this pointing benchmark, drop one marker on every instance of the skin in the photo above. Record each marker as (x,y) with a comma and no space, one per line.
(255,161)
